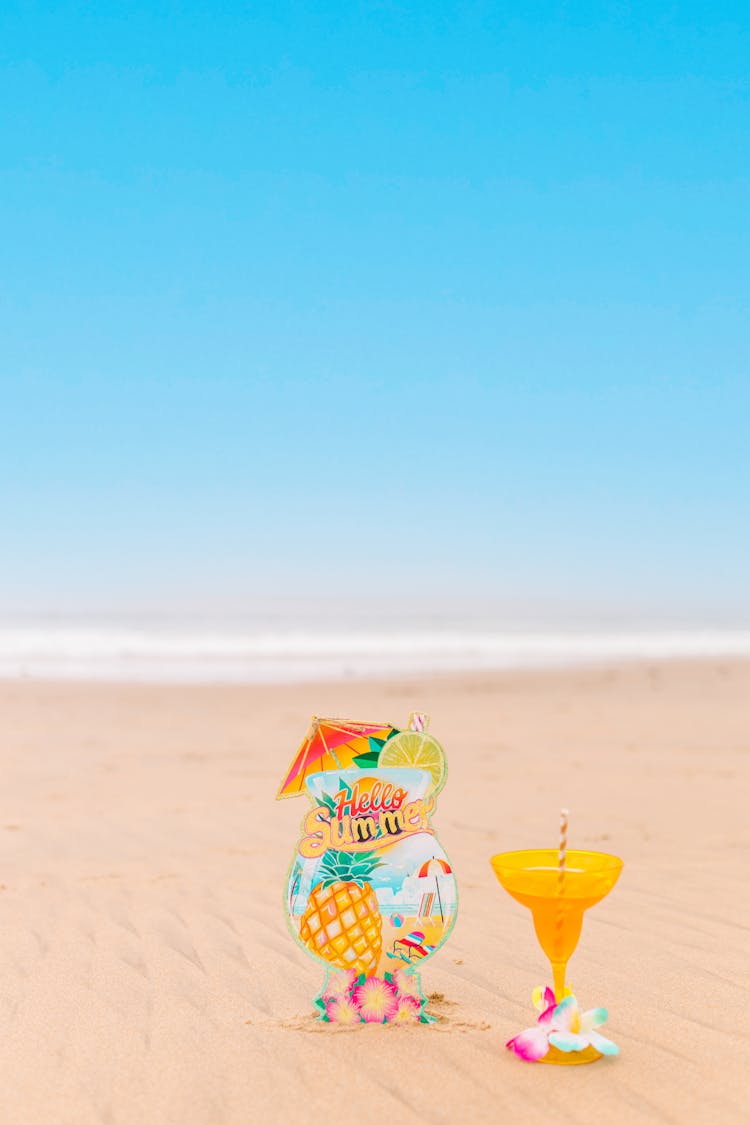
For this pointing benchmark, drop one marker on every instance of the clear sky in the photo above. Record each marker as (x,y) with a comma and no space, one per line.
(392,299)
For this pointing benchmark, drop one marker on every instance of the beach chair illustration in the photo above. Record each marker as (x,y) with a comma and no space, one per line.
(412,947)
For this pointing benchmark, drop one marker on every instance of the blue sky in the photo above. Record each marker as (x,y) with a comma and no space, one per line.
(383,300)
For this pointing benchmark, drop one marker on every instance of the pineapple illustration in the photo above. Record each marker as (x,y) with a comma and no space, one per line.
(341,923)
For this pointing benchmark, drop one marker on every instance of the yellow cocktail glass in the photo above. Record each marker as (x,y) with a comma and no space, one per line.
(557,905)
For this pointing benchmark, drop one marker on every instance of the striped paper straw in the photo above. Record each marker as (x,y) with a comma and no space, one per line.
(418,721)
(562,850)
(560,914)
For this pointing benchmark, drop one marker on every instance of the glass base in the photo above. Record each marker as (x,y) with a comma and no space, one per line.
(571,1058)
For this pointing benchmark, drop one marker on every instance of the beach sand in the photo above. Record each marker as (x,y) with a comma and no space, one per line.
(147,975)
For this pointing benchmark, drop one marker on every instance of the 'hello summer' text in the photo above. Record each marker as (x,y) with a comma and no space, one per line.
(363,820)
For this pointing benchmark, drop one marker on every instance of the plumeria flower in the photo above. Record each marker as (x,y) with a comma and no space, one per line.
(562,1026)
(543,999)
(573,1030)
(376,999)
(343,1011)
(409,1010)
(533,1043)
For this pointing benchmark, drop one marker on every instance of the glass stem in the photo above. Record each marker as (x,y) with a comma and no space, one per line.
(558,977)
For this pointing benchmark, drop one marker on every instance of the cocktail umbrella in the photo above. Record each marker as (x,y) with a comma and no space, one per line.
(436,867)
(334,744)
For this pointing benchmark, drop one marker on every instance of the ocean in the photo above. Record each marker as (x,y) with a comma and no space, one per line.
(297,645)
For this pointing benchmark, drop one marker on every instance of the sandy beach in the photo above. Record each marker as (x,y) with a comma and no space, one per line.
(147,974)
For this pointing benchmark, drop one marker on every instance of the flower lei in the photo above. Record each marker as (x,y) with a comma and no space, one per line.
(562,1026)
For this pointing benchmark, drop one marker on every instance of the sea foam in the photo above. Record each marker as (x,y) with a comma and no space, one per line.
(268,651)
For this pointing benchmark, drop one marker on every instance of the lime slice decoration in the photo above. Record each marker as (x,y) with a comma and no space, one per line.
(416,750)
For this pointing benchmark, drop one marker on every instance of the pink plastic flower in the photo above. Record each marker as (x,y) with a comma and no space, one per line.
(376,999)
(533,1044)
(342,1011)
(543,1000)
(408,1010)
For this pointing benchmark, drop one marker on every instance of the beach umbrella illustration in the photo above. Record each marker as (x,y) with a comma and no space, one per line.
(436,867)
(334,744)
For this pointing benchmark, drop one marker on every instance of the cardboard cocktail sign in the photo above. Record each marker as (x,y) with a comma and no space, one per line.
(370,892)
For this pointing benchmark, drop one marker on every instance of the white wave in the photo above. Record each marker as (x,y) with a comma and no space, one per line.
(159,652)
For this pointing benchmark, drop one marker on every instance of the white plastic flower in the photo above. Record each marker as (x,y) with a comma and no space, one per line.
(572,1030)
